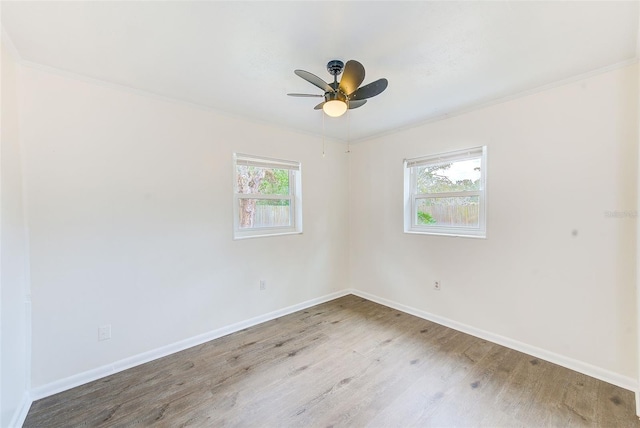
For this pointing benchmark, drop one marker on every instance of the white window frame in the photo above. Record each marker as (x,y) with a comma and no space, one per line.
(294,197)
(411,196)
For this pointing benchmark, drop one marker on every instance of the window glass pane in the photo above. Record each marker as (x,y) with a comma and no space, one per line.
(263,181)
(458,211)
(255,213)
(448,177)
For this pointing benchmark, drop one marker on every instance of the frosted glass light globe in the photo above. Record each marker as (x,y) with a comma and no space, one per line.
(334,108)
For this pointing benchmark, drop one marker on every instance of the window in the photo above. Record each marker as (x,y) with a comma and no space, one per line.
(445,194)
(267,197)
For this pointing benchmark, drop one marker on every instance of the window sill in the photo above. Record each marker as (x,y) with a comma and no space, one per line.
(263,234)
(478,235)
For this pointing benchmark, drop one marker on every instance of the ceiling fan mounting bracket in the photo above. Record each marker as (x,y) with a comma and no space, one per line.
(335,67)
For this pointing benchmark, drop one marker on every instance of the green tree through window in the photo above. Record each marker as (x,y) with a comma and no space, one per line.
(445,193)
(266,192)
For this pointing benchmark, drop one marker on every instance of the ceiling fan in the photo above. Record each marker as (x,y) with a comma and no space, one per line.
(346,94)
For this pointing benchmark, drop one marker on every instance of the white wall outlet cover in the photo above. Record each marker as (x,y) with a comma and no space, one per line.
(104,332)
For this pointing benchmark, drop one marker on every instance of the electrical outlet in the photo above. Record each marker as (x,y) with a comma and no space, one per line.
(437,285)
(263,284)
(104,332)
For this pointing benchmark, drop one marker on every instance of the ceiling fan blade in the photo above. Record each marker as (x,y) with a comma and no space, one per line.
(314,80)
(319,106)
(352,77)
(356,104)
(370,90)
(305,95)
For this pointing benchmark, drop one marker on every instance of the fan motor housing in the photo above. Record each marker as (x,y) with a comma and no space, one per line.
(335,67)
(337,95)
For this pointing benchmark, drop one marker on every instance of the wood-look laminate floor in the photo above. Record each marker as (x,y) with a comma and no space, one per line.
(348,362)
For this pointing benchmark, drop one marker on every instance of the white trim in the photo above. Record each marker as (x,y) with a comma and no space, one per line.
(132,90)
(263,196)
(638,38)
(265,162)
(579,366)
(266,232)
(448,157)
(459,194)
(451,233)
(411,197)
(27,248)
(173,100)
(484,104)
(109,369)
(294,197)
(136,360)
(637,392)
(21,411)
(453,113)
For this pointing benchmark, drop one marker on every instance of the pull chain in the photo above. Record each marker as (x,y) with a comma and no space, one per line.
(323,136)
(348,132)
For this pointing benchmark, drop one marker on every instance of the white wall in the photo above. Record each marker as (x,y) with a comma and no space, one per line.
(129,209)
(14,357)
(131,223)
(557,161)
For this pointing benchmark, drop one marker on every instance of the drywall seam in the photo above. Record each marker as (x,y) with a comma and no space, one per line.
(578,366)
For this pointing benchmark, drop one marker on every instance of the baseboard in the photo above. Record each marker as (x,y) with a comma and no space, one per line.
(124,364)
(21,411)
(561,360)
(118,366)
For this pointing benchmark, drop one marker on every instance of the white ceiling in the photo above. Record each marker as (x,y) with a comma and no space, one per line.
(239,57)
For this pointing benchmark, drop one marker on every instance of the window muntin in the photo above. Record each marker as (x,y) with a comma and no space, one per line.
(445,193)
(267,195)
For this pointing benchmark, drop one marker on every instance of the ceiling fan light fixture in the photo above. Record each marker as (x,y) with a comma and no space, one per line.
(346,94)
(334,108)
